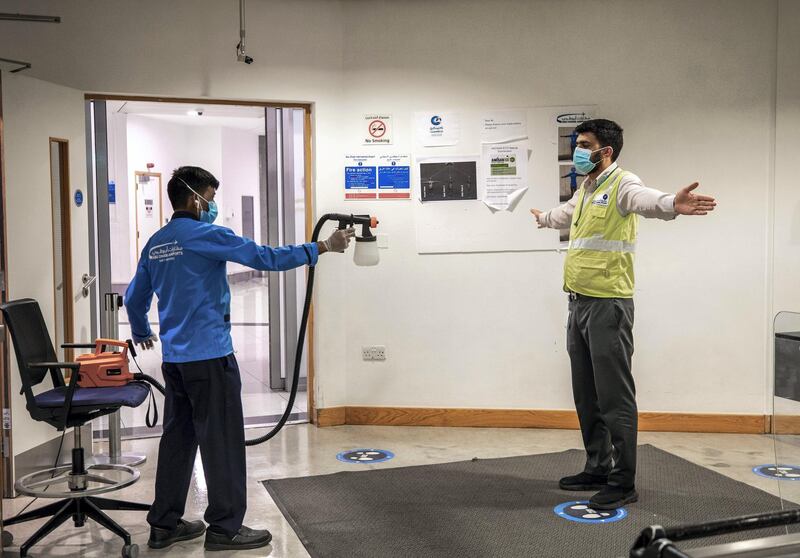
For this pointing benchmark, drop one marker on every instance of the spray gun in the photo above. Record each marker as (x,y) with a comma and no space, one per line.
(366,252)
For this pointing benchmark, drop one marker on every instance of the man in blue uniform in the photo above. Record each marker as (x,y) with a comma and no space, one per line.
(184,264)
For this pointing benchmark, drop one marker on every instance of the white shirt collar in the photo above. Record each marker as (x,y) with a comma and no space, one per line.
(591,185)
(606,173)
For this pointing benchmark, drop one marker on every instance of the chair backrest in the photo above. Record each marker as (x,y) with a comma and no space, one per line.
(32,344)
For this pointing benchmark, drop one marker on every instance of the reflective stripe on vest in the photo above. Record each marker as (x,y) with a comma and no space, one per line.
(602,243)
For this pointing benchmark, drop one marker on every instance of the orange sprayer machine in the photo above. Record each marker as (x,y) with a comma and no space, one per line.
(105,368)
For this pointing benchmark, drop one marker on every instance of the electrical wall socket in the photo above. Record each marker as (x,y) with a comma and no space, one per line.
(373,352)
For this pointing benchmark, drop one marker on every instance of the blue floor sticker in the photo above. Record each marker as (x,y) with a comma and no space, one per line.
(365,456)
(778,472)
(582,513)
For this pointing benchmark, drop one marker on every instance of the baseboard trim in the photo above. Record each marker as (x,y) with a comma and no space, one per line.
(331,416)
(784,424)
(524,418)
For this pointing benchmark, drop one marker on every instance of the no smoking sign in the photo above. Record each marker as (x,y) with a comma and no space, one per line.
(378,129)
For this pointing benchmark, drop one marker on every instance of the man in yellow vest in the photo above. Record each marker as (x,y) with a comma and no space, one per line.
(598,277)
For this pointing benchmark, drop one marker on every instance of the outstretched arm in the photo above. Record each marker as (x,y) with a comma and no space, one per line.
(688,203)
(557,218)
(635,197)
(221,243)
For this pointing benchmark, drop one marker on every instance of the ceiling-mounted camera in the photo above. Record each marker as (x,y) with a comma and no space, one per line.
(240,55)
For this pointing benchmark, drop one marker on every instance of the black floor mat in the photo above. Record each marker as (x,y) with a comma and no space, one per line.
(500,507)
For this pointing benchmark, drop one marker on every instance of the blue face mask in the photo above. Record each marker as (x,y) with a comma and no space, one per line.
(582,159)
(205,216)
(211,215)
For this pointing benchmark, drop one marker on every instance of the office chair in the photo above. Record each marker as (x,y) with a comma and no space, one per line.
(62,407)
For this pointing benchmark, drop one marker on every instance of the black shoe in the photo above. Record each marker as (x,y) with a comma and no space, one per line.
(186,530)
(583,481)
(245,539)
(613,497)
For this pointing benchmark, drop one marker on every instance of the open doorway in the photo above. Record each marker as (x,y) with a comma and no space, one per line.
(262,172)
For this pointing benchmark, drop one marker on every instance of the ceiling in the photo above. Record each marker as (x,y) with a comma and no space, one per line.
(186,114)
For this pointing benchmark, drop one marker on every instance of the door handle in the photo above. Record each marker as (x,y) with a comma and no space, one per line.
(87,282)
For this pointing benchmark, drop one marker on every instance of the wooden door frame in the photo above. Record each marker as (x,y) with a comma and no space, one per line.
(65,201)
(136,176)
(308,140)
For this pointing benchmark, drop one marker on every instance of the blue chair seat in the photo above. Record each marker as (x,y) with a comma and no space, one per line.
(129,395)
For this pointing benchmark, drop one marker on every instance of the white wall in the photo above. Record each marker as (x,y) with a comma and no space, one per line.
(692,91)
(693,84)
(787,193)
(35,111)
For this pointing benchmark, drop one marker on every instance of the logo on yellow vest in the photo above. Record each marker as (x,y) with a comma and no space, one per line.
(602,201)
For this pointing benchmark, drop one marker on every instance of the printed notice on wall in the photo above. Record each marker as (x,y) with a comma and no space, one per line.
(377,129)
(360,177)
(451,178)
(394,177)
(499,126)
(437,129)
(504,168)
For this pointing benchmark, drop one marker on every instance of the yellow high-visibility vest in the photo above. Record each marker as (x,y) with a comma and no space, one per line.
(601,244)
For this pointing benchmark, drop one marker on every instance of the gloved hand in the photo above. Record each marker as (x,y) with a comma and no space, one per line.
(147,344)
(339,240)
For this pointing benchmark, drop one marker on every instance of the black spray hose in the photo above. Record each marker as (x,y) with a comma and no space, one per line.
(151,383)
(301,337)
(141,376)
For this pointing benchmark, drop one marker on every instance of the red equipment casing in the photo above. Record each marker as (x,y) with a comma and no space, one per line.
(104,369)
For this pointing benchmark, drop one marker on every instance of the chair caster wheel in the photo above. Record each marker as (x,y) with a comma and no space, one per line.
(7,539)
(130,551)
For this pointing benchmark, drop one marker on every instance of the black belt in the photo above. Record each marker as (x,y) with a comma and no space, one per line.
(577,296)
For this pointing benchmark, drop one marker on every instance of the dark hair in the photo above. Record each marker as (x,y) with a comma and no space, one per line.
(607,132)
(198,179)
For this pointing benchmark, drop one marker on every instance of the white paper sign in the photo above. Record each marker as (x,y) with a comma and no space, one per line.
(504,168)
(503,126)
(377,129)
(436,129)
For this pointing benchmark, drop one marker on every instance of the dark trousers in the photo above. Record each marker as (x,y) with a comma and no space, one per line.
(600,346)
(203,406)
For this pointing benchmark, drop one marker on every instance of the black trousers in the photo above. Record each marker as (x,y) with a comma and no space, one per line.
(600,346)
(203,407)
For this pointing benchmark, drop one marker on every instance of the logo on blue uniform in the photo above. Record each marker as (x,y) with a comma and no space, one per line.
(165,252)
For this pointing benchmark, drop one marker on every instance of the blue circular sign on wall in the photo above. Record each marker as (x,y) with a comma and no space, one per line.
(778,472)
(365,456)
(78,198)
(581,512)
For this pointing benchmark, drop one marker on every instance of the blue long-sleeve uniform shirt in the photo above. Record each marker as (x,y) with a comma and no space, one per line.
(184,265)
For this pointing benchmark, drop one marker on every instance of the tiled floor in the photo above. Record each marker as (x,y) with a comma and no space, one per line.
(306,450)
